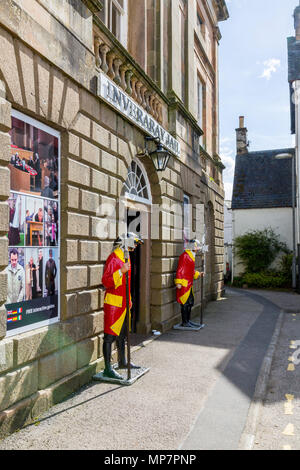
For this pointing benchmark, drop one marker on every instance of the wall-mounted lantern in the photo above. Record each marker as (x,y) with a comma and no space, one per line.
(160,156)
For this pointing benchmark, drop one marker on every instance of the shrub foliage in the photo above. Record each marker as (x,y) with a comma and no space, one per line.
(258,249)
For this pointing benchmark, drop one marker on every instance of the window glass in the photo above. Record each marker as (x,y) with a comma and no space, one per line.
(112,15)
(115,21)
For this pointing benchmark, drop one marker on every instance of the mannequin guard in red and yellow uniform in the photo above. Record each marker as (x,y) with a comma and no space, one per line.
(114,281)
(184,281)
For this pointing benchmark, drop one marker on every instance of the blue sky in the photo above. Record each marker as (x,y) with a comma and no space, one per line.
(253,77)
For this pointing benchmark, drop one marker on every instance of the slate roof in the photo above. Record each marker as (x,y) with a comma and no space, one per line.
(261,181)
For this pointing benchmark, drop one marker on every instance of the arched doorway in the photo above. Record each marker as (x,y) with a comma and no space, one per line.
(138,200)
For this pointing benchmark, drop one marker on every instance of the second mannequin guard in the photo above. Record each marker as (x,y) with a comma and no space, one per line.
(184,281)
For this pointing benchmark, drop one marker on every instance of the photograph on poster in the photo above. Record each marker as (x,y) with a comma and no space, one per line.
(51,223)
(33,277)
(15,276)
(16,235)
(50,272)
(34,160)
(34,221)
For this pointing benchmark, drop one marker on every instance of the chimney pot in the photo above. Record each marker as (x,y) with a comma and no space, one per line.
(242,137)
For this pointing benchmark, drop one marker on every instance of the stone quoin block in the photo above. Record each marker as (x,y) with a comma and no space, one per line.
(76,277)
(99,228)
(6,355)
(87,352)
(4,217)
(78,173)
(90,105)
(78,225)
(3,252)
(72,198)
(107,207)
(100,135)
(72,251)
(69,306)
(95,275)
(5,149)
(88,301)
(3,287)
(82,125)
(34,344)
(18,384)
(100,181)
(105,250)
(90,153)
(3,322)
(56,366)
(88,251)
(74,145)
(4,183)
(89,201)
(109,162)
(5,115)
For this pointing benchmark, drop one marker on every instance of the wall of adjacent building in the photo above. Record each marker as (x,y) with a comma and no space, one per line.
(246,220)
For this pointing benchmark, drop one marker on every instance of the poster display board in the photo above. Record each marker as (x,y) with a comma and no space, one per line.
(34,226)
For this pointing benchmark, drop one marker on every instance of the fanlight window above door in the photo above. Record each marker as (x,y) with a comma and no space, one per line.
(136,187)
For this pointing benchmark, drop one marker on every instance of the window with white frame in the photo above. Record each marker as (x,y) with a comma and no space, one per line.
(114,16)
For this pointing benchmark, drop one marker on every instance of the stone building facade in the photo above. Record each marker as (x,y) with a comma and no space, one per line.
(162,55)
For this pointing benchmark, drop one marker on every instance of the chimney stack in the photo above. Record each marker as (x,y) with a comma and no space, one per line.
(297,22)
(242,137)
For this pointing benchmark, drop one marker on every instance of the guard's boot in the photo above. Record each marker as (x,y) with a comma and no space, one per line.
(190,323)
(184,315)
(109,371)
(122,361)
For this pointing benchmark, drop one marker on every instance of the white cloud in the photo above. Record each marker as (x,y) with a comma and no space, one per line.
(228,191)
(227,154)
(271,66)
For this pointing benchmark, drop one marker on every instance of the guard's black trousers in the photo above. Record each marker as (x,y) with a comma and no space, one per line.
(107,345)
(186,309)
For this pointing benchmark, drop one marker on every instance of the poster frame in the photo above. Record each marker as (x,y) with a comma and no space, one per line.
(35,123)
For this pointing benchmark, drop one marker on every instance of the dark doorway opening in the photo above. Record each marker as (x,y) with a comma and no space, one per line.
(133,225)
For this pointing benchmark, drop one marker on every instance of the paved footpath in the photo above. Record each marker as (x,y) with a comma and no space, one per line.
(197,394)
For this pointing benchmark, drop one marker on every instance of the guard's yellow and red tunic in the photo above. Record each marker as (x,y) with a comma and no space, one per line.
(185,276)
(115,297)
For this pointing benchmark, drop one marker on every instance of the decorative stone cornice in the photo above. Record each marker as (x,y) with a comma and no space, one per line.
(222,11)
(93,5)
